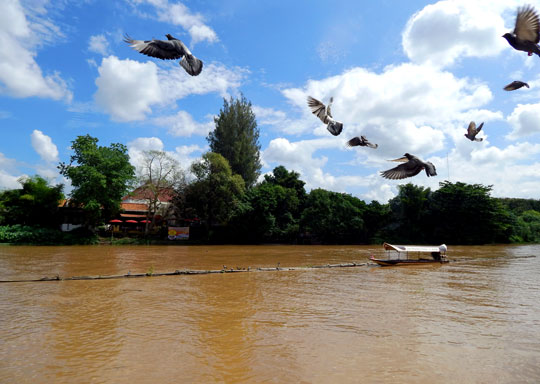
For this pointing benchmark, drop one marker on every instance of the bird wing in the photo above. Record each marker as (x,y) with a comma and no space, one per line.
(318,109)
(166,50)
(401,159)
(430,169)
(354,142)
(402,171)
(471,130)
(527,25)
(512,86)
(516,84)
(191,64)
(328,109)
(479,127)
(366,142)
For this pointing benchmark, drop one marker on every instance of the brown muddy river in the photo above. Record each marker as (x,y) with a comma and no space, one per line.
(475,320)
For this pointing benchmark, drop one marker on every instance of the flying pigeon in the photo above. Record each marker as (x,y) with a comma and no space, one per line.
(411,166)
(472,131)
(324,113)
(360,141)
(515,85)
(168,50)
(526,34)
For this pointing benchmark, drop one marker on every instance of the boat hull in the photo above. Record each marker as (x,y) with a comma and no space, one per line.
(396,262)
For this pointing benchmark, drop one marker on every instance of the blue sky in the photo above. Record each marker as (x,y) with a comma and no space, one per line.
(408,75)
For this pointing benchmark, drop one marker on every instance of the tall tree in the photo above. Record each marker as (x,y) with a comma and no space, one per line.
(410,210)
(100,176)
(36,203)
(236,138)
(467,214)
(158,177)
(215,192)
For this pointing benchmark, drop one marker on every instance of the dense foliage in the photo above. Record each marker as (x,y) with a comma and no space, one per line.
(456,213)
(23,234)
(100,177)
(236,138)
(36,203)
(270,211)
(214,193)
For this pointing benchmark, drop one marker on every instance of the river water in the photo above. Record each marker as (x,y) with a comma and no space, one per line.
(474,320)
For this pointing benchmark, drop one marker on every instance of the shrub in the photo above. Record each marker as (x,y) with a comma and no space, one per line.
(22,234)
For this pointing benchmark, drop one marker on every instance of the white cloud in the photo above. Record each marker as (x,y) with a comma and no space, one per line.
(215,77)
(183,154)
(381,192)
(508,155)
(504,168)
(281,122)
(7,168)
(405,108)
(127,89)
(443,32)
(44,146)
(138,146)
(525,121)
(98,44)
(300,157)
(179,14)
(183,124)
(20,74)
(146,144)
(8,181)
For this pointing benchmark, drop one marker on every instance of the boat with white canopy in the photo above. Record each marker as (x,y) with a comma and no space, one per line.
(412,255)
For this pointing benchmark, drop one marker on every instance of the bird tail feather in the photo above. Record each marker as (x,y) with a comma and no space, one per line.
(191,64)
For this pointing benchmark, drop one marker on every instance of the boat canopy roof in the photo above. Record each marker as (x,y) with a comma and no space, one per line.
(415,248)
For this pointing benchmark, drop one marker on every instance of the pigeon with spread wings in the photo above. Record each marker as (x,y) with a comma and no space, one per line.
(516,84)
(411,166)
(170,49)
(472,131)
(361,141)
(324,113)
(526,33)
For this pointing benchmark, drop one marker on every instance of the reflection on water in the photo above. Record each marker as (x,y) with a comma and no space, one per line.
(474,320)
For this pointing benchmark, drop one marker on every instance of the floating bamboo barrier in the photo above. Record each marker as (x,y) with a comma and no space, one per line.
(186,272)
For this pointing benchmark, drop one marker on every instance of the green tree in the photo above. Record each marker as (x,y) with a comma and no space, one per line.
(236,138)
(526,227)
(35,204)
(518,206)
(100,177)
(376,218)
(269,213)
(333,217)
(467,214)
(215,193)
(410,213)
(287,179)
